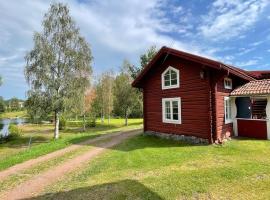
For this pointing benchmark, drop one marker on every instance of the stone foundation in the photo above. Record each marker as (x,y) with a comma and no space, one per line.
(189,139)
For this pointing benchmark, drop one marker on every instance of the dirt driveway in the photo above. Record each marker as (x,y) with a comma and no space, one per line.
(36,184)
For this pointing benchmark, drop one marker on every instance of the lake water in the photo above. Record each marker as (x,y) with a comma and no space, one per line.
(4,123)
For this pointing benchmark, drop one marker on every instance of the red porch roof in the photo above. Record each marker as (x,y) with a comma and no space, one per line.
(258,87)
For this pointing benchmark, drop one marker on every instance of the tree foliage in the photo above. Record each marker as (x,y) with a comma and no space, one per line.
(58,67)
(104,92)
(125,95)
(38,105)
(144,60)
(2,105)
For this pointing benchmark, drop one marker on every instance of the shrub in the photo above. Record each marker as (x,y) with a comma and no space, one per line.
(91,122)
(62,123)
(14,131)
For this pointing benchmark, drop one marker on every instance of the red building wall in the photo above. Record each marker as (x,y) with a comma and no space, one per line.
(222,129)
(195,99)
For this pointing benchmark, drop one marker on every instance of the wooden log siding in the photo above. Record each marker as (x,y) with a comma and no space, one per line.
(202,100)
(195,102)
(222,129)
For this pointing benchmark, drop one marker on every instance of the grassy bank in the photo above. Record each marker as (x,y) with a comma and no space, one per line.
(17,150)
(149,168)
(12,115)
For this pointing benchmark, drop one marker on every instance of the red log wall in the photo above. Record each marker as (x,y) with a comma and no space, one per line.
(222,130)
(195,99)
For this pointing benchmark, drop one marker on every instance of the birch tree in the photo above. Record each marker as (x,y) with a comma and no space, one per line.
(125,95)
(58,66)
(107,81)
(104,92)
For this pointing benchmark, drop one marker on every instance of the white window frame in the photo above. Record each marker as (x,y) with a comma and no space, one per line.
(226,86)
(164,119)
(177,76)
(227,120)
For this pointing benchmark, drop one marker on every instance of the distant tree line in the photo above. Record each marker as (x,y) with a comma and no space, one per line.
(10,105)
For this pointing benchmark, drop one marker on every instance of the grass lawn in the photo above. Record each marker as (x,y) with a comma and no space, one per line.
(11,115)
(16,151)
(146,167)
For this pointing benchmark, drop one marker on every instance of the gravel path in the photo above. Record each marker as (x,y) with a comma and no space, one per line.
(36,184)
(27,164)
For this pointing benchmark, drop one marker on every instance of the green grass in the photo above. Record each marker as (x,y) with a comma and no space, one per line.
(15,114)
(16,151)
(145,167)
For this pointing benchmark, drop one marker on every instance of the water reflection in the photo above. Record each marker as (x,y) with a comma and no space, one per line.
(4,123)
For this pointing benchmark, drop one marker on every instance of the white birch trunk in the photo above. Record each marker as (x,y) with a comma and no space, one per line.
(84,122)
(126,119)
(56,127)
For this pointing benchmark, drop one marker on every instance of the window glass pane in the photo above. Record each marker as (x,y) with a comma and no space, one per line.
(228,112)
(175,104)
(175,116)
(167,110)
(175,110)
(228,83)
(174,82)
(167,77)
(173,74)
(168,73)
(167,83)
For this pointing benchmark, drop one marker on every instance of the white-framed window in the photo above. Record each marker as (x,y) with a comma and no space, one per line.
(228,83)
(170,78)
(227,110)
(171,110)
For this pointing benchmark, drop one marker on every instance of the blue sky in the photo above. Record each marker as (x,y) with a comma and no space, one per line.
(233,31)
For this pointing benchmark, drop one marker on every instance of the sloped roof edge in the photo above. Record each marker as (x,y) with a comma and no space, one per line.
(199,59)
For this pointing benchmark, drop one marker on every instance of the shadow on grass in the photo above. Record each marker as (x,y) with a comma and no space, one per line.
(137,142)
(146,141)
(125,189)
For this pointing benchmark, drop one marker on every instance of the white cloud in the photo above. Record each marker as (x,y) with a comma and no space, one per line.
(231,18)
(114,29)
(243,51)
(247,63)
(121,29)
(254,44)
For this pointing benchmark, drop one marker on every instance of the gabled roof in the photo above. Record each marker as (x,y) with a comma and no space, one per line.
(195,58)
(258,87)
(260,74)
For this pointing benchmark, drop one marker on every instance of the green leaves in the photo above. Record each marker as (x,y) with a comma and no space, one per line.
(58,68)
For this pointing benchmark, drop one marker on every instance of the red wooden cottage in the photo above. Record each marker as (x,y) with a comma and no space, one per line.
(190,96)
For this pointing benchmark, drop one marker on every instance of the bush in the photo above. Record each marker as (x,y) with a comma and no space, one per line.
(14,131)
(62,123)
(91,123)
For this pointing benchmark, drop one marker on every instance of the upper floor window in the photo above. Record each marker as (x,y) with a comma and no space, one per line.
(228,83)
(170,78)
